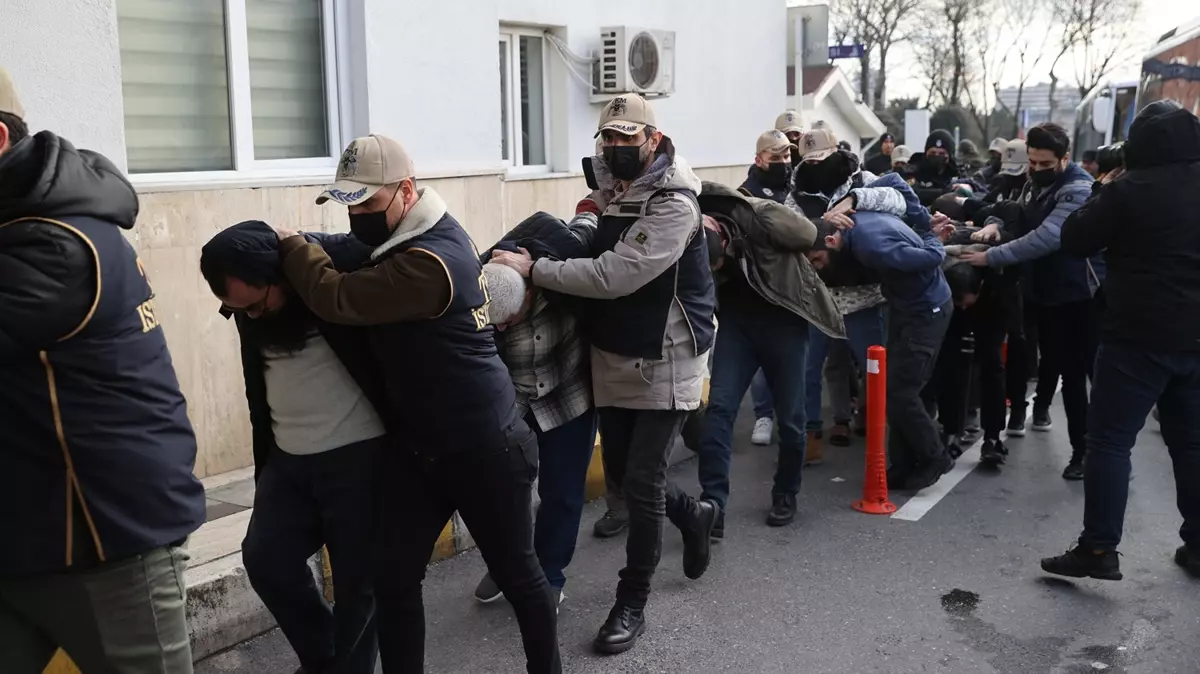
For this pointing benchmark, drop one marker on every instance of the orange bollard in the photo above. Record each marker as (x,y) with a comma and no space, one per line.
(875,492)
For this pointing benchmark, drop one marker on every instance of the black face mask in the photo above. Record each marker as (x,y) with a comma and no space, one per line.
(372,228)
(825,177)
(1012,183)
(937,161)
(625,161)
(1044,178)
(995,164)
(775,176)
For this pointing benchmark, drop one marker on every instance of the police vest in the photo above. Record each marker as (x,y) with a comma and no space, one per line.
(634,325)
(447,389)
(96,426)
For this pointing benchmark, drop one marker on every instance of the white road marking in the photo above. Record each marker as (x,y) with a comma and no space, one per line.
(927,498)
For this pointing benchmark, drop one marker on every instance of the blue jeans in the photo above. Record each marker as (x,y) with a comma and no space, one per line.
(864,329)
(760,394)
(564,455)
(751,338)
(1128,382)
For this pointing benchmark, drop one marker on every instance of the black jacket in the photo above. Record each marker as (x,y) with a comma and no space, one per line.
(97,456)
(879,164)
(348,343)
(1147,222)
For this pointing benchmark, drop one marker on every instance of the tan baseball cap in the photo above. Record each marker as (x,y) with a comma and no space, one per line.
(901,153)
(998,145)
(1014,160)
(8,96)
(818,144)
(368,164)
(627,115)
(789,122)
(773,141)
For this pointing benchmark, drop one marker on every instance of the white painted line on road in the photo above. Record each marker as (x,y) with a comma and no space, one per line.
(927,498)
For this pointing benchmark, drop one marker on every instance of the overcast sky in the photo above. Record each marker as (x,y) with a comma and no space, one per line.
(1156,17)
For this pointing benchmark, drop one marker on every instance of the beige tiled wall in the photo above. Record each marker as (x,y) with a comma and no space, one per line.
(173,226)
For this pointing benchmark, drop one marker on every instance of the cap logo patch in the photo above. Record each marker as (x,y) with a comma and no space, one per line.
(348,165)
(937,143)
(346,197)
(617,107)
(791,117)
(810,142)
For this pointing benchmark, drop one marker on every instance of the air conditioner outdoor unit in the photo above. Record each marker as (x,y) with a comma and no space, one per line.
(635,60)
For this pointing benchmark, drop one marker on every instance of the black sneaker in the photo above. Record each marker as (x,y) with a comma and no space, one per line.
(993,453)
(783,510)
(927,474)
(1189,560)
(972,425)
(1074,469)
(1080,562)
(487,591)
(612,524)
(1041,420)
(718,530)
(1016,425)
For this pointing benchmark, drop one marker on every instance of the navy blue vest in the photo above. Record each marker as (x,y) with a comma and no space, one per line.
(634,325)
(96,425)
(447,389)
(752,187)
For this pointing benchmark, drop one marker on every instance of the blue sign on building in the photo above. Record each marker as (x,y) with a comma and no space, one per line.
(846,51)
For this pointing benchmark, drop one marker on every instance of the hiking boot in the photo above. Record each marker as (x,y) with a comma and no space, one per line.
(697,536)
(1041,420)
(928,473)
(839,435)
(783,510)
(612,524)
(1074,470)
(764,428)
(1016,425)
(994,453)
(1081,562)
(487,591)
(814,453)
(1189,560)
(621,631)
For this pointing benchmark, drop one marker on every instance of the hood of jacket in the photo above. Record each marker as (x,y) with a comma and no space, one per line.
(426,213)
(45,176)
(670,171)
(769,245)
(1161,135)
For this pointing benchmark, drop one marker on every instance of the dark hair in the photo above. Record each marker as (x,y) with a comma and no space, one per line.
(1111,157)
(17,129)
(1049,136)
(1089,155)
(963,279)
(218,269)
(949,205)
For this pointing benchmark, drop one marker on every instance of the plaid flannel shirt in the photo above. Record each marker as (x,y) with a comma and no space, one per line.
(548,362)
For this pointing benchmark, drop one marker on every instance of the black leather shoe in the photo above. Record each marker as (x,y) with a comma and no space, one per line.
(1081,562)
(1189,560)
(927,474)
(718,530)
(697,538)
(1074,470)
(621,631)
(612,524)
(783,510)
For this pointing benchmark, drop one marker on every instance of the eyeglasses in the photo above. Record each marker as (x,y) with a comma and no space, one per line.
(257,308)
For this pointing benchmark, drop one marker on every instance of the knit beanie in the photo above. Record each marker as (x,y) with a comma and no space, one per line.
(940,138)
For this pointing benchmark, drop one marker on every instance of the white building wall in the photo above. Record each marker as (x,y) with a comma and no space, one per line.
(433,75)
(64,59)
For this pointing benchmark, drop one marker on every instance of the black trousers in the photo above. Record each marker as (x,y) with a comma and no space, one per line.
(492,492)
(300,504)
(1068,336)
(637,449)
(974,344)
(914,339)
(1024,353)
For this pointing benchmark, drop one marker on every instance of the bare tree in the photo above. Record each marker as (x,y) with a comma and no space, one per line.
(1104,40)
(1029,46)
(945,49)
(879,25)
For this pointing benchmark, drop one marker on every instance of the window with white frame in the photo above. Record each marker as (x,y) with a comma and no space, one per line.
(228,85)
(524,100)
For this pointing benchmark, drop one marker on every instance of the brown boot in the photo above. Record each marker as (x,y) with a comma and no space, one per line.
(814,454)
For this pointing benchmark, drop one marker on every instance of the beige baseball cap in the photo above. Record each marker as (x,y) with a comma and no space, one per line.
(818,144)
(789,122)
(1014,160)
(773,141)
(627,115)
(368,164)
(901,153)
(8,96)
(998,145)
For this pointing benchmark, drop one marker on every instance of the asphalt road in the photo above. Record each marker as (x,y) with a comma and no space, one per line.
(959,591)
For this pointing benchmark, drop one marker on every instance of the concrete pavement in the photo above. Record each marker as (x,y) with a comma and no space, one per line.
(958,591)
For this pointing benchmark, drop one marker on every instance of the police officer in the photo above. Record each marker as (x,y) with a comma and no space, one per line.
(769,177)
